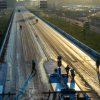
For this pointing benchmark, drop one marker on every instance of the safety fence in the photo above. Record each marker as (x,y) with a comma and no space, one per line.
(4,44)
(83,46)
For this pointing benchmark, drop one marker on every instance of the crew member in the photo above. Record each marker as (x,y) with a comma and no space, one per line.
(20,27)
(33,66)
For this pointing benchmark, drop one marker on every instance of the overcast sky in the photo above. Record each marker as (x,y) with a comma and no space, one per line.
(78,1)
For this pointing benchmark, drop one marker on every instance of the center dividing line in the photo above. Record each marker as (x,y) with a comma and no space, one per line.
(26,83)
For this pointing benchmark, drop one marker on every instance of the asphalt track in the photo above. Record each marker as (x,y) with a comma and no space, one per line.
(19,55)
(39,42)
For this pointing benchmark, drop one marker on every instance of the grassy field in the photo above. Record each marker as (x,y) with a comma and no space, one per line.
(88,37)
(4,22)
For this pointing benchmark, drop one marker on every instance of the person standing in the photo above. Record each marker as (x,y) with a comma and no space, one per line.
(33,66)
(20,27)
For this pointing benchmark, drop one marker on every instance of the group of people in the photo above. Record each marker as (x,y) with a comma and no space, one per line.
(67,68)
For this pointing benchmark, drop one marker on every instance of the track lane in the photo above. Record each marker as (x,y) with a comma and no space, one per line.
(19,57)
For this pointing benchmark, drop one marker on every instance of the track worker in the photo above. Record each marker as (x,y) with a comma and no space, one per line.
(20,27)
(36,20)
(67,69)
(72,73)
(33,66)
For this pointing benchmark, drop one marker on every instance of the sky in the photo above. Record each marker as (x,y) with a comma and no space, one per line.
(71,1)
(81,1)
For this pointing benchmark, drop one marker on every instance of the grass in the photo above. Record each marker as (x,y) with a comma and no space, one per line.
(88,37)
(4,22)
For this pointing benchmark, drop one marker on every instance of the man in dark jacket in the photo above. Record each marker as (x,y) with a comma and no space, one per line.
(33,66)
(67,69)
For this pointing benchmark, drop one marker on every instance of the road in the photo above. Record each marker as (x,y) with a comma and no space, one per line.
(79,23)
(39,42)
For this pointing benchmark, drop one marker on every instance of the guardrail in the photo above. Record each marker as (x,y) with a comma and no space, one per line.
(83,46)
(7,33)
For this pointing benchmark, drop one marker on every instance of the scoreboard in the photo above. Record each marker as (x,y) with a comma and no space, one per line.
(43,4)
(3,4)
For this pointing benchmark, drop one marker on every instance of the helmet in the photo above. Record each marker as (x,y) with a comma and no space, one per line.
(67,65)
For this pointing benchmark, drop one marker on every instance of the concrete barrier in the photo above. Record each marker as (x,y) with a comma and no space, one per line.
(8,31)
(83,46)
